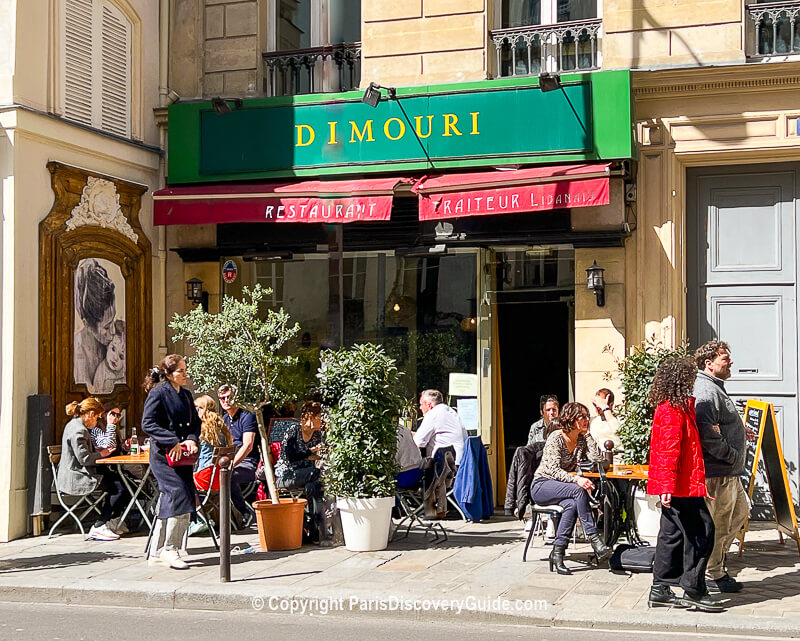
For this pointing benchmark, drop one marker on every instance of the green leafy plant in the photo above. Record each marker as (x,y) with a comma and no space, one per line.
(240,347)
(636,372)
(358,385)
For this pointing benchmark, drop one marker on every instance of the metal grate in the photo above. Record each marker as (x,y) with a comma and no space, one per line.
(313,70)
(776,28)
(531,50)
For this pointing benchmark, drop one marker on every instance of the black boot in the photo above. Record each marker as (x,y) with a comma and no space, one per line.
(557,559)
(601,550)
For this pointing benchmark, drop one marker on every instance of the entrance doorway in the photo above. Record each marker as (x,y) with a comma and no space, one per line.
(535,313)
(742,286)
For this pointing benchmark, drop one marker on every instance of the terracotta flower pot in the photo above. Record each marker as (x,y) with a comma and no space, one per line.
(280,525)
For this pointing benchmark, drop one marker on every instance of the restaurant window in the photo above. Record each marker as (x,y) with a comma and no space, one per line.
(422,310)
(313,46)
(535,36)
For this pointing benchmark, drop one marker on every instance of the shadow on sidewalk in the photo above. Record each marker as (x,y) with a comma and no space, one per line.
(55,561)
(769,588)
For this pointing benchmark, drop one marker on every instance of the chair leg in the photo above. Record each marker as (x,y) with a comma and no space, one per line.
(152,527)
(451,500)
(527,544)
(68,511)
(207,521)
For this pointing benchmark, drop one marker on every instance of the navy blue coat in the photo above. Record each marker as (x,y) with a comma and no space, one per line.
(170,418)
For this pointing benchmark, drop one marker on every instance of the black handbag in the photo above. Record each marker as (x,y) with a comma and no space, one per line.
(630,558)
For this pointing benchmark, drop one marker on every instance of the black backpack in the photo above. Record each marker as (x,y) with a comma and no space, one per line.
(629,558)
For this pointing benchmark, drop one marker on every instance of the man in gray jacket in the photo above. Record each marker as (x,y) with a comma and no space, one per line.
(723,439)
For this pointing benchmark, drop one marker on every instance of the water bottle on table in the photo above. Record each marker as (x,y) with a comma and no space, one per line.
(134,442)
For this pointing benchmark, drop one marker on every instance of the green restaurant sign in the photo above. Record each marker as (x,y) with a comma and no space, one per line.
(487,123)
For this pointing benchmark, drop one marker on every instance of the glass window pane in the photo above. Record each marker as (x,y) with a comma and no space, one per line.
(294,24)
(344,21)
(569,10)
(521,13)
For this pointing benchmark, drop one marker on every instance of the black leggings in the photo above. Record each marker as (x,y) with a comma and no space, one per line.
(113,505)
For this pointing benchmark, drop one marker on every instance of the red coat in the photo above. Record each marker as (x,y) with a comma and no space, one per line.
(676,458)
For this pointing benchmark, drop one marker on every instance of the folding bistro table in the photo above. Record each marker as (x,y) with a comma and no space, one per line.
(135,486)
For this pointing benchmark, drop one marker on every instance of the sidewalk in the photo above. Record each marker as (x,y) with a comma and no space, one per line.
(478,569)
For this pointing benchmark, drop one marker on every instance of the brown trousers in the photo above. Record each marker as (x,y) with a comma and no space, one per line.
(729,511)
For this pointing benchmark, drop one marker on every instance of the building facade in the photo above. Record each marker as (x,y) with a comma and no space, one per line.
(79,159)
(659,141)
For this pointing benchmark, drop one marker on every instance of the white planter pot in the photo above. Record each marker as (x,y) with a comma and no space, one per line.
(365,523)
(648,516)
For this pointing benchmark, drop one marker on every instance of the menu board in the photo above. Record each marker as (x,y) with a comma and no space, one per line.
(760,416)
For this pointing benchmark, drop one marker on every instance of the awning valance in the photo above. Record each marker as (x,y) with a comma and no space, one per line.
(313,201)
(513,191)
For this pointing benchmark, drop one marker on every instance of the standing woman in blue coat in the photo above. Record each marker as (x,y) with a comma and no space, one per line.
(170,420)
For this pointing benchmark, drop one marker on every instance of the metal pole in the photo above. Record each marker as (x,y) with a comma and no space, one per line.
(224,519)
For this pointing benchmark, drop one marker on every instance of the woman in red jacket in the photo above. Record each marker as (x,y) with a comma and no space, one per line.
(677,475)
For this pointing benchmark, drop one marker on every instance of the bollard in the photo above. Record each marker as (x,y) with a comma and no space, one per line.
(224,519)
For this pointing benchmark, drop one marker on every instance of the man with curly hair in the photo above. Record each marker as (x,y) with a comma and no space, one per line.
(723,438)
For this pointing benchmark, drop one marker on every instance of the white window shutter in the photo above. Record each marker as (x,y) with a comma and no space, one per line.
(78,60)
(115,83)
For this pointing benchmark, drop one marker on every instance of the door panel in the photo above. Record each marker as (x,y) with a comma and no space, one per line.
(741,278)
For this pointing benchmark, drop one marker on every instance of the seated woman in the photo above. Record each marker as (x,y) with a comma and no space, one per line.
(296,463)
(213,433)
(104,438)
(553,483)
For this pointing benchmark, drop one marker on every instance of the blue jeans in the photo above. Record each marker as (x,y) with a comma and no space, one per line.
(575,501)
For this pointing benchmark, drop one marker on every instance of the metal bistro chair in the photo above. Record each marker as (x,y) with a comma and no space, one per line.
(411,509)
(209,498)
(88,503)
(537,511)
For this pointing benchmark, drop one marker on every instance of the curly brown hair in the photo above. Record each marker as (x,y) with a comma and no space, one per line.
(708,352)
(569,415)
(674,383)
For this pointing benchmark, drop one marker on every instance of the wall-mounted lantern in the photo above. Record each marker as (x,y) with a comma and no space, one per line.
(596,282)
(195,293)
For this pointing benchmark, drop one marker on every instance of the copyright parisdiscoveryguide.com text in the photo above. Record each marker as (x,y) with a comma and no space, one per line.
(326,605)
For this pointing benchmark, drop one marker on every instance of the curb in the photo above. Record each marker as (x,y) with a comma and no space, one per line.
(177,596)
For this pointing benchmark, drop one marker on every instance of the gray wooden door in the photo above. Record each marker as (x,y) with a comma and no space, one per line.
(742,277)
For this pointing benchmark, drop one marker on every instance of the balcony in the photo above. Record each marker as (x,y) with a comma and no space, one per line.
(325,69)
(775,28)
(531,50)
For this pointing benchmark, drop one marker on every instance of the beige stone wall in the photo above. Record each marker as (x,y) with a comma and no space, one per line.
(599,331)
(216,47)
(414,42)
(688,118)
(654,33)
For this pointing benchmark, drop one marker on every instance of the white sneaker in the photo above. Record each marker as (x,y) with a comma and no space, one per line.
(173,559)
(156,560)
(102,533)
(528,525)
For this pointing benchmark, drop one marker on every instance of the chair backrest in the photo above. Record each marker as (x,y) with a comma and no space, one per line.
(54,453)
(219,452)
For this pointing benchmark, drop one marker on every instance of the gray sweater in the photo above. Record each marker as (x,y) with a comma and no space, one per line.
(723,452)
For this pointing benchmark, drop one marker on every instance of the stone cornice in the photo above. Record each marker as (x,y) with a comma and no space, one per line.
(675,83)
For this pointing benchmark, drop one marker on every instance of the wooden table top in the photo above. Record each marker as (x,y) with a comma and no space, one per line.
(123,459)
(633,472)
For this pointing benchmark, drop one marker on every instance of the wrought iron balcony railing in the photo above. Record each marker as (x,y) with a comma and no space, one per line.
(776,28)
(313,70)
(529,51)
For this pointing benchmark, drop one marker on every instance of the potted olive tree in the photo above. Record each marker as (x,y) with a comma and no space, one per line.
(359,387)
(242,346)
(636,372)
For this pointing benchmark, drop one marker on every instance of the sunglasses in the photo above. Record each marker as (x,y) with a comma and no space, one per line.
(115,413)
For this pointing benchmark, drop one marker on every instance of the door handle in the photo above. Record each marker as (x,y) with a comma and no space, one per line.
(748,370)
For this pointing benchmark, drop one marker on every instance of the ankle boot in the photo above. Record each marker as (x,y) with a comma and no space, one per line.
(601,550)
(557,559)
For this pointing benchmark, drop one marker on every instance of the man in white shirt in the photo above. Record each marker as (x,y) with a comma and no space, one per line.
(441,426)
(604,426)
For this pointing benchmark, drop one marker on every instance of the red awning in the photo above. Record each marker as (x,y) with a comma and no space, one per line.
(513,191)
(313,201)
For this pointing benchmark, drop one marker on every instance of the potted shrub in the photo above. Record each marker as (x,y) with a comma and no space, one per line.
(358,386)
(241,346)
(636,372)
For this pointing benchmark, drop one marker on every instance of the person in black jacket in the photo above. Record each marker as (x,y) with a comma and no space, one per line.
(170,420)
(518,489)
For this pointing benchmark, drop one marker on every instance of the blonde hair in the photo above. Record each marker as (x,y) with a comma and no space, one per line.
(90,404)
(212,428)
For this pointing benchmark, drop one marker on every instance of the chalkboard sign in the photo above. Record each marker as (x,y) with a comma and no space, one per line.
(278,428)
(760,416)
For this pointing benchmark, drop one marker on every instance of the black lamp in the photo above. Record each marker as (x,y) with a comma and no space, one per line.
(549,81)
(372,94)
(195,293)
(596,282)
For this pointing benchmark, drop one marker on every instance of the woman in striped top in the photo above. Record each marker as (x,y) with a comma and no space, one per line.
(553,483)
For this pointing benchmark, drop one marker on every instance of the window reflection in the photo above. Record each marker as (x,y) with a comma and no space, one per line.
(422,310)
